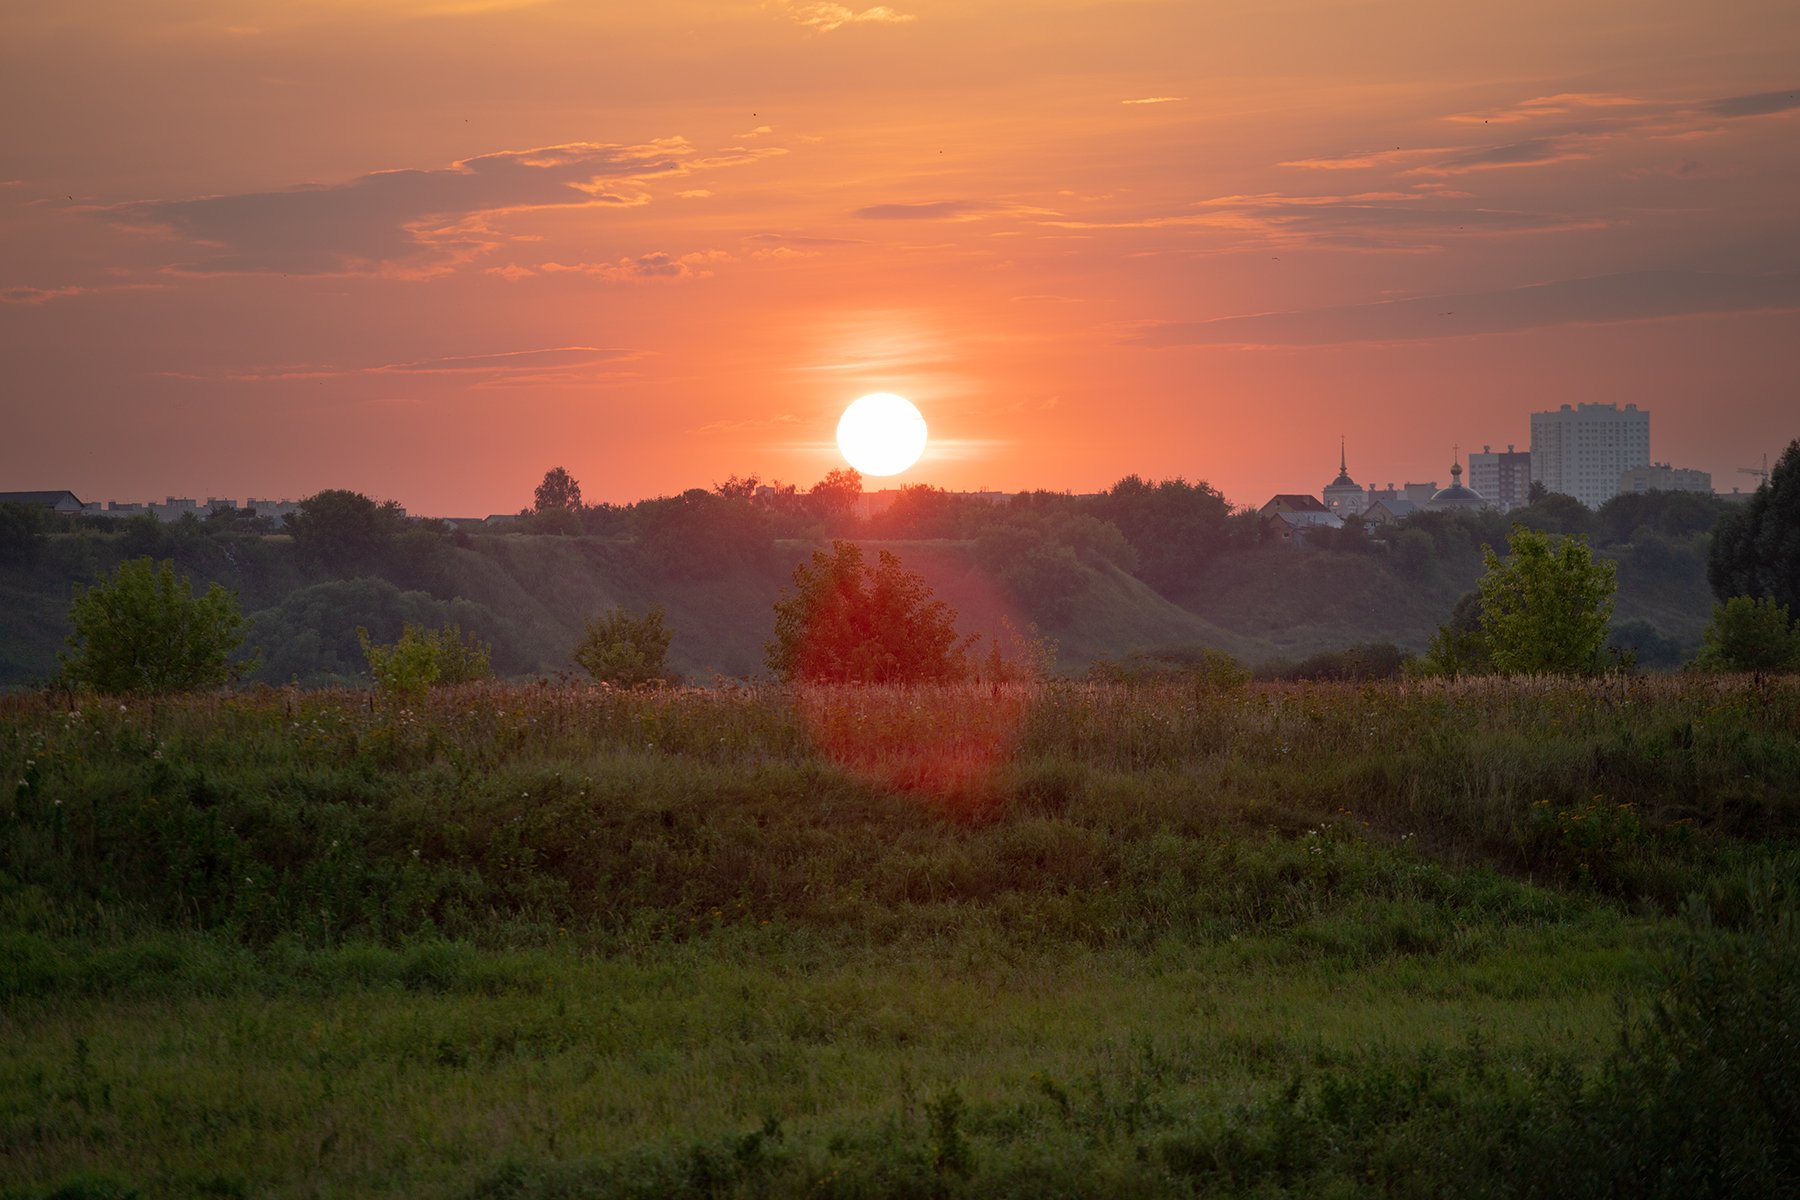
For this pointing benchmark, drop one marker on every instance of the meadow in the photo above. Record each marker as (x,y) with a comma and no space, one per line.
(1480,937)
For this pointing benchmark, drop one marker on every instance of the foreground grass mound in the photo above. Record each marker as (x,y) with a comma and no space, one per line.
(1082,940)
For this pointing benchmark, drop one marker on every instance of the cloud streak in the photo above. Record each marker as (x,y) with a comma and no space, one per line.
(932,210)
(1357,221)
(408,221)
(826,17)
(1762,104)
(1595,300)
(658,266)
(538,365)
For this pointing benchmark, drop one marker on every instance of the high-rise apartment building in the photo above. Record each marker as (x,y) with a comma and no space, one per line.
(1502,477)
(1582,451)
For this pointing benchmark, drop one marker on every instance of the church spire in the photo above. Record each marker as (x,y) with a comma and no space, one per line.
(1343,469)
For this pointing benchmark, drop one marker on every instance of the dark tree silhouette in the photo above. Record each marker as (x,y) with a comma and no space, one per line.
(560,492)
(837,493)
(1756,551)
(345,529)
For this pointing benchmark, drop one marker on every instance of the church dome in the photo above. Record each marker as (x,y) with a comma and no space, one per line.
(1456,497)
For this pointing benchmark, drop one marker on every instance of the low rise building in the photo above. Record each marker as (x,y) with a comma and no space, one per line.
(1661,477)
(57,502)
(1388,511)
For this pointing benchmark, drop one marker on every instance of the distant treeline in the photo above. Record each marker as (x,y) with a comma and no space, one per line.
(344,561)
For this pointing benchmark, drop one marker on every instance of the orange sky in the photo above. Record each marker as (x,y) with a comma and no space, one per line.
(428,249)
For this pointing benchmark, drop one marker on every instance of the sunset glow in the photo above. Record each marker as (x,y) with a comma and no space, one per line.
(428,249)
(881,434)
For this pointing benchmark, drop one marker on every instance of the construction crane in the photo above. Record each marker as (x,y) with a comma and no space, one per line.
(1761,473)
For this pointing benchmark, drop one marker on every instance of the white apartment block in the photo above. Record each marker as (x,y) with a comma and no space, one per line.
(1582,451)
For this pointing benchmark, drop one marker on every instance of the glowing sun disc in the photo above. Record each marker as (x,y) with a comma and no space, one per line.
(881,434)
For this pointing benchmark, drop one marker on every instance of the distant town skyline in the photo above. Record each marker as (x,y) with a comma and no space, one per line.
(427,249)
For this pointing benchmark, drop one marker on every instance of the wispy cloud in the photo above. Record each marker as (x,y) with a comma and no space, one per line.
(931,210)
(1532,152)
(797,239)
(37,295)
(1602,299)
(827,17)
(656,267)
(948,210)
(410,221)
(537,365)
(1566,127)
(1761,104)
(1366,159)
(1357,221)
(1539,107)
(1155,100)
(741,424)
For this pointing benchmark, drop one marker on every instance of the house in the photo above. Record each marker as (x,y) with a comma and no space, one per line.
(1291,502)
(60,503)
(1387,511)
(1298,526)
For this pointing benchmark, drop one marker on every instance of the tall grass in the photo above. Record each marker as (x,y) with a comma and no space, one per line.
(1106,812)
(545,941)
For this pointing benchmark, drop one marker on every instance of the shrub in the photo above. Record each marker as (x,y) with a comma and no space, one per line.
(1545,608)
(146,631)
(424,658)
(848,622)
(624,649)
(1749,633)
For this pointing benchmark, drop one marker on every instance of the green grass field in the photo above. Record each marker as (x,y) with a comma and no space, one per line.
(1480,938)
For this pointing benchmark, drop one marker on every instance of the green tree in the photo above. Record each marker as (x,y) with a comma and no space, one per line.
(1641,644)
(624,649)
(1756,550)
(1555,512)
(425,658)
(1546,607)
(1458,647)
(741,488)
(1176,527)
(559,492)
(22,534)
(1628,515)
(849,622)
(345,529)
(1749,633)
(146,631)
(700,535)
(837,493)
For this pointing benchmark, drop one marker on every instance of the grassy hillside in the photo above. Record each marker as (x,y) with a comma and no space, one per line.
(538,943)
(529,595)
(1295,601)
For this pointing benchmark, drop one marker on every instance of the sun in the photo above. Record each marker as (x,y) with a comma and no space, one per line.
(881,434)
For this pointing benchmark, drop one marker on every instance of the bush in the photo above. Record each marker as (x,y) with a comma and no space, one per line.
(625,650)
(848,622)
(1373,660)
(147,632)
(22,534)
(1749,633)
(423,658)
